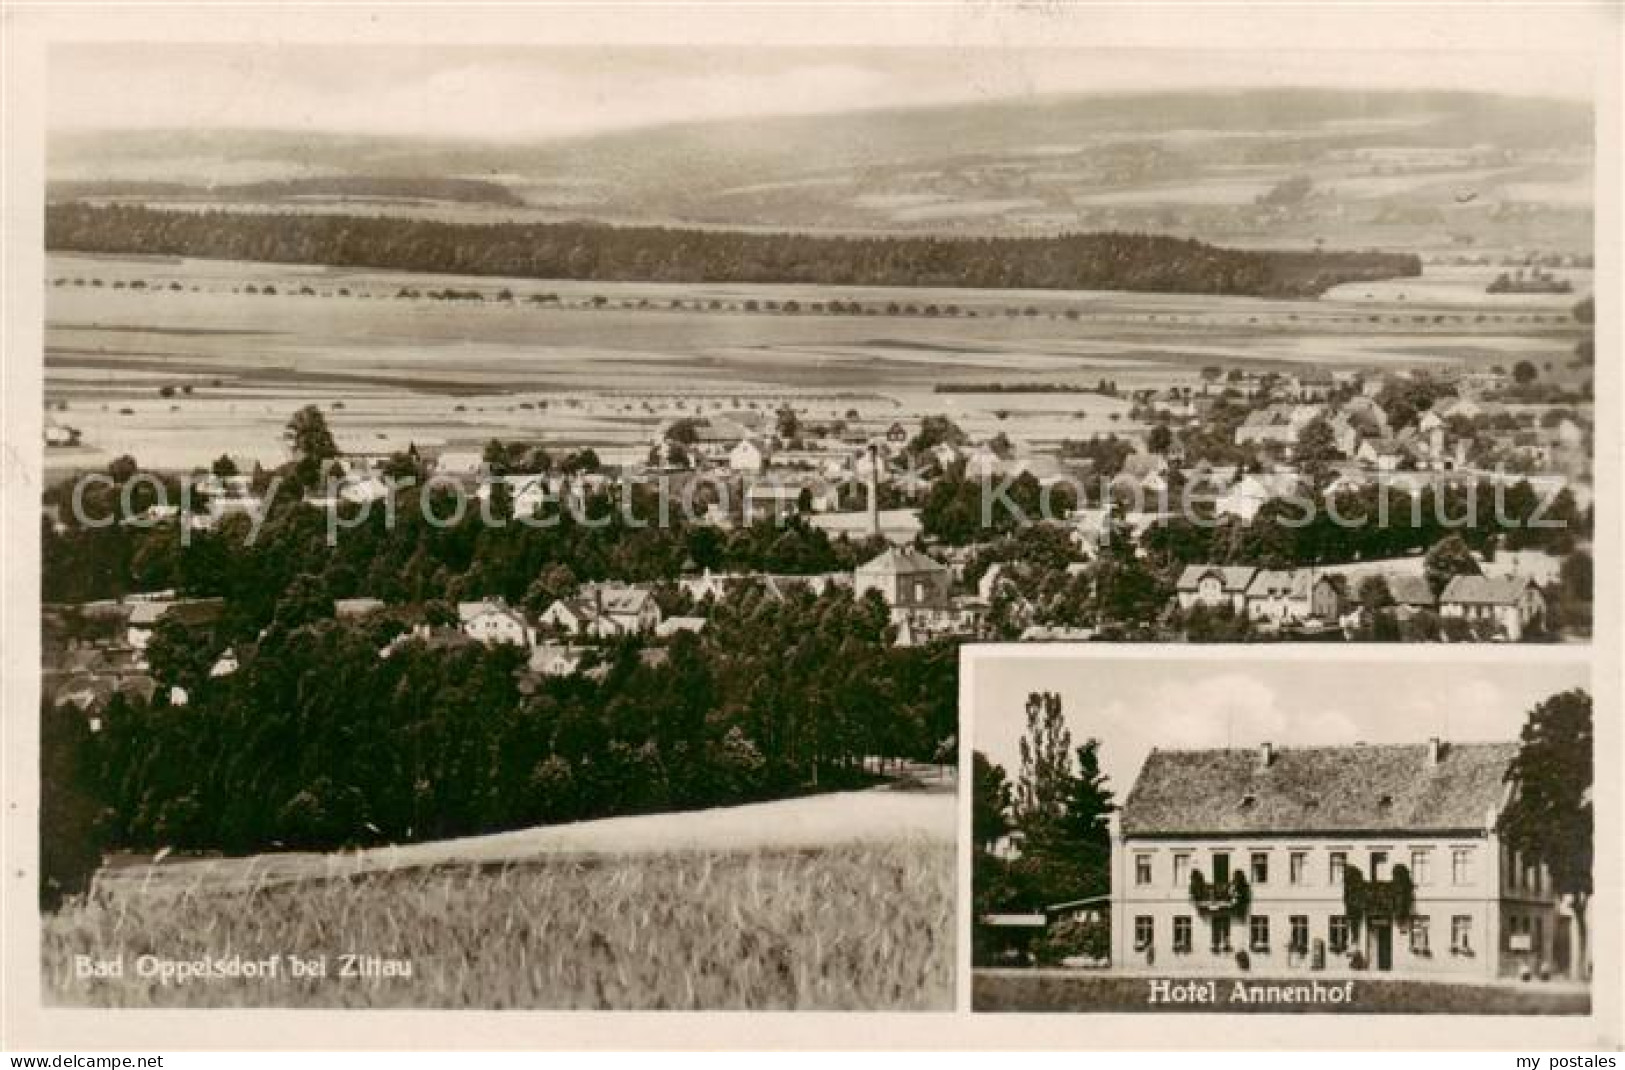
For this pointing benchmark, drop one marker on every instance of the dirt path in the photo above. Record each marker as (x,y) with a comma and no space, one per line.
(874,816)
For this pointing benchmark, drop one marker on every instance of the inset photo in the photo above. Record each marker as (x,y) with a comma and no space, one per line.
(1355,832)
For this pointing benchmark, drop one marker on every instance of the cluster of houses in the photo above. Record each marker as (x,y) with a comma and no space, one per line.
(1507,606)
(916,589)
(108,655)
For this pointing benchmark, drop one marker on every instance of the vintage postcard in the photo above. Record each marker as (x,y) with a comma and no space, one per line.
(1179,833)
(859,519)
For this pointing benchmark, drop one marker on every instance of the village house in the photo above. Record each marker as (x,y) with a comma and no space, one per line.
(983,463)
(555,659)
(356,607)
(146,610)
(60,435)
(1513,605)
(906,579)
(604,610)
(1327,859)
(1251,493)
(771,501)
(748,456)
(672,626)
(459,464)
(1345,436)
(493,621)
(1214,586)
(708,584)
(1411,594)
(1277,425)
(1290,596)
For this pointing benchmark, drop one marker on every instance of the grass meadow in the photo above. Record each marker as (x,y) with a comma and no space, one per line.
(858,927)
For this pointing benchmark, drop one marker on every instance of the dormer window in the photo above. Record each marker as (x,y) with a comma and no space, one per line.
(1386,801)
(1248,801)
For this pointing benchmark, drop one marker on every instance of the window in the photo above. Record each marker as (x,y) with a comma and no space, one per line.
(1379,865)
(1221,867)
(1337,933)
(1142,869)
(1143,931)
(1421,866)
(1518,933)
(1297,866)
(1335,865)
(1221,933)
(1261,867)
(1419,935)
(1300,933)
(1258,932)
(1182,933)
(1461,934)
(1182,870)
(1461,865)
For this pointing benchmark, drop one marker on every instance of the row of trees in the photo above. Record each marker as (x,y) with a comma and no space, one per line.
(410,559)
(593,251)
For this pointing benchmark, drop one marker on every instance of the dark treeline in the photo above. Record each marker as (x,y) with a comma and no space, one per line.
(374,187)
(318,741)
(409,560)
(590,251)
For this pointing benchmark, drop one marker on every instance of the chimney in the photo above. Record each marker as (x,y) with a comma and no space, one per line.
(1266,754)
(1435,751)
(874,489)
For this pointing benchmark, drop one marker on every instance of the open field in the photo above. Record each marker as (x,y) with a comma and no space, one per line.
(458,373)
(855,927)
(1060,991)
(833,902)
(877,816)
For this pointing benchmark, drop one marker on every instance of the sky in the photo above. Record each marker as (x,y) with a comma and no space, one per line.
(1134,703)
(525,93)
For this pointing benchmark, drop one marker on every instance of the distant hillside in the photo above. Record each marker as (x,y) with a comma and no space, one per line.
(1110,261)
(1361,169)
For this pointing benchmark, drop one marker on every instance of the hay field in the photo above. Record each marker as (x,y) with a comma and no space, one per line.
(857,927)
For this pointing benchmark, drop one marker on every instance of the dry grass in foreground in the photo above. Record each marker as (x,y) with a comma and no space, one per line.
(837,928)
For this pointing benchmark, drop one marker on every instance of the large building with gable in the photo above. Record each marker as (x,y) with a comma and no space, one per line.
(1217,852)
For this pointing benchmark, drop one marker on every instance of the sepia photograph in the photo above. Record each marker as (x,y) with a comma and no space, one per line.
(536,510)
(1183,834)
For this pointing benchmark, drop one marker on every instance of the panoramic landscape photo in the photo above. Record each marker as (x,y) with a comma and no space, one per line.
(562,521)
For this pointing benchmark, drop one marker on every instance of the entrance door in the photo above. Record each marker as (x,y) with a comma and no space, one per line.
(1382,933)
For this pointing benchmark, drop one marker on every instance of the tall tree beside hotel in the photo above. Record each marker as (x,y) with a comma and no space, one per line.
(990,802)
(1061,806)
(1550,815)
